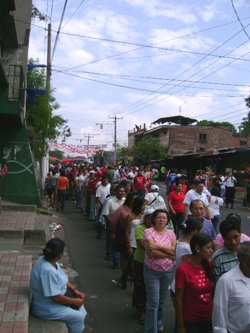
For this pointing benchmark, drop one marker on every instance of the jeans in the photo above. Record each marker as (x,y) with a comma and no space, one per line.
(110,245)
(61,198)
(223,192)
(141,193)
(216,222)
(157,287)
(79,199)
(92,206)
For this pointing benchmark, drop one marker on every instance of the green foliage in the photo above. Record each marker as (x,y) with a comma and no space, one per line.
(35,13)
(57,154)
(42,125)
(99,154)
(145,151)
(245,125)
(214,123)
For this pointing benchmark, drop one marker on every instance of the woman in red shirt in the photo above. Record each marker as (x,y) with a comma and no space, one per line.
(194,288)
(176,207)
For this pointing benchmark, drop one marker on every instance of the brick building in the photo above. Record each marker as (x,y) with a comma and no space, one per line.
(186,138)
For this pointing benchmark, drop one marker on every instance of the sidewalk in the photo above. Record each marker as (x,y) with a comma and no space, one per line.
(23,235)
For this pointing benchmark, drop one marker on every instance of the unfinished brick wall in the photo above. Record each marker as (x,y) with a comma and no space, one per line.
(184,139)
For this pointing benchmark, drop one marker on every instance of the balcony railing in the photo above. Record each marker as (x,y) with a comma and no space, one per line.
(16,84)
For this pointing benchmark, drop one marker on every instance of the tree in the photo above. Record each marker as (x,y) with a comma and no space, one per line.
(245,125)
(42,125)
(145,151)
(217,123)
(35,13)
(56,153)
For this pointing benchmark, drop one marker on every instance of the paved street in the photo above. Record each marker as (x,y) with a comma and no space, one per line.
(109,308)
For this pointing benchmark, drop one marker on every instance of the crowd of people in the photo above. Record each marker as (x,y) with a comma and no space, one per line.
(149,237)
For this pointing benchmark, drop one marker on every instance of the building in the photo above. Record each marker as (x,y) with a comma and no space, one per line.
(195,147)
(182,137)
(19,184)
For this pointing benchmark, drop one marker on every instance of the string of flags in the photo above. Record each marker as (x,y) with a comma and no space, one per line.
(77,149)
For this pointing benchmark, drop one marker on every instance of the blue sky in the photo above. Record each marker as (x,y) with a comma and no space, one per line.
(142,60)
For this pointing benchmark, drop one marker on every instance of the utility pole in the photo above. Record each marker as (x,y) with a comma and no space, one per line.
(88,136)
(45,158)
(115,121)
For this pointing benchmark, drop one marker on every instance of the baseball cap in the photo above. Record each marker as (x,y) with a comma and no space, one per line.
(155,188)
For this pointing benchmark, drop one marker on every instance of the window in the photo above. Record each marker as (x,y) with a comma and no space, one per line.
(202,138)
(243,143)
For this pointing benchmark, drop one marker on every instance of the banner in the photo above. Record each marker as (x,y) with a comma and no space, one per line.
(77,149)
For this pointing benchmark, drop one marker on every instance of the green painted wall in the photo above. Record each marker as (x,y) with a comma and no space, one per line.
(19,184)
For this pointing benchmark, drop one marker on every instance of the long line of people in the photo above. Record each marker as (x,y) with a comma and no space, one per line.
(141,236)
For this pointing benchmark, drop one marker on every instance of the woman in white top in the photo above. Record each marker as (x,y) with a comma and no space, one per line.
(191,227)
(215,202)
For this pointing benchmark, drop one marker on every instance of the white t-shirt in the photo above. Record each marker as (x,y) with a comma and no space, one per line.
(102,192)
(193,195)
(230,182)
(133,225)
(214,206)
(151,197)
(182,249)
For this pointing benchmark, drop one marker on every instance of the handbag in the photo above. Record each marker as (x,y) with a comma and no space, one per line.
(69,293)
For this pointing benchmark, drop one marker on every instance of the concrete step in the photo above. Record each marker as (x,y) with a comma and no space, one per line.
(10,206)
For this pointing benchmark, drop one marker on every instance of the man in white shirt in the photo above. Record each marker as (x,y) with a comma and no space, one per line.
(153,199)
(196,194)
(231,312)
(101,193)
(112,205)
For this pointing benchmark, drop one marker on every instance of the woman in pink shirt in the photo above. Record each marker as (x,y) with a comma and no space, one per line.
(159,244)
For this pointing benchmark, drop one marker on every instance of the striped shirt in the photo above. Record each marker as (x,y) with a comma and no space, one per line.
(223,261)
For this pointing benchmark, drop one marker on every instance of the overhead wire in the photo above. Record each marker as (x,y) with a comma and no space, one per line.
(59,30)
(132,78)
(73,14)
(188,78)
(239,20)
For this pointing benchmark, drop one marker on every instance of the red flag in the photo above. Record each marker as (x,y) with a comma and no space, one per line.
(101,126)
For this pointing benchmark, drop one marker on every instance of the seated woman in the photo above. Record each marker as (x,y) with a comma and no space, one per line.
(49,284)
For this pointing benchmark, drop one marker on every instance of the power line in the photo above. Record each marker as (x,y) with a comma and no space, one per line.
(59,29)
(184,81)
(239,20)
(51,13)
(145,90)
(132,78)
(73,14)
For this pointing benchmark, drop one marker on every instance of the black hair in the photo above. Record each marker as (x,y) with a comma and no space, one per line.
(202,240)
(197,182)
(105,176)
(62,173)
(234,216)
(54,247)
(215,191)
(160,210)
(118,187)
(229,225)
(191,224)
(53,172)
(129,198)
(196,200)
(138,202)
